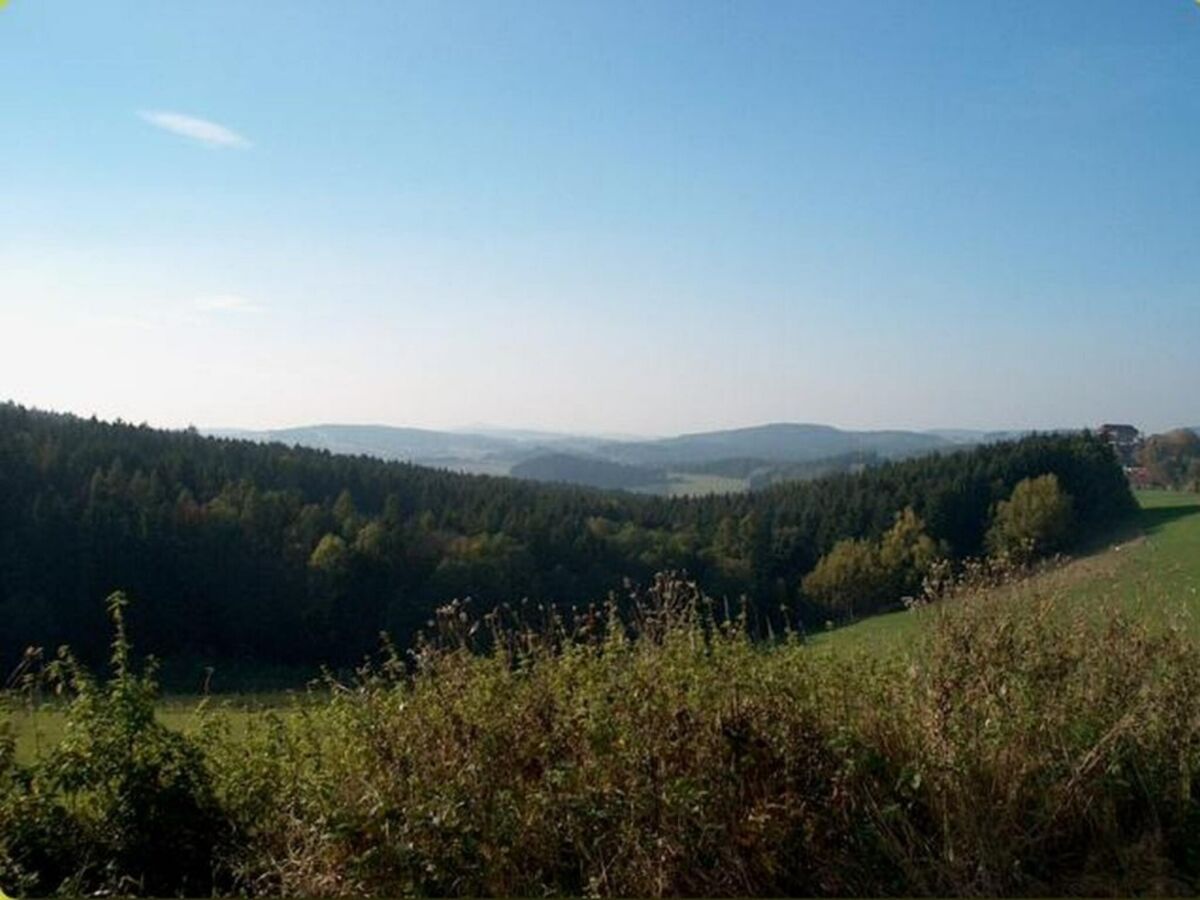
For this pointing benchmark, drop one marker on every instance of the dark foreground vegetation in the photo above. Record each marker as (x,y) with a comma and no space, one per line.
(1025,746)
(290,557)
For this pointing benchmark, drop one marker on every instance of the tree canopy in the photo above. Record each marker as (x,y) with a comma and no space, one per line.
(1036,520)
(282,555)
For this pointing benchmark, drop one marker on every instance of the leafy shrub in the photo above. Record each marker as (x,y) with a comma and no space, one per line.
(1029,749)
(859,575)
(848,577)
(1020,749)
(122,803)
(1021,746)
(647,755)
(1034,521)
(10,875)
(907,553)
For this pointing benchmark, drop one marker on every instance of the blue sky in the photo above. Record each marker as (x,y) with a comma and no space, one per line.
(636,217)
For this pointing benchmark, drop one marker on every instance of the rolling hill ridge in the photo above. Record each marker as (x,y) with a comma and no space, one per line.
(697,463)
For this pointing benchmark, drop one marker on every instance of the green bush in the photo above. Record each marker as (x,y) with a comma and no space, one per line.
(10,875)
(859,575)
(650,748)
(121,803)
(1019,750)
(1034,521)
(849,578)
(659,754)
(1032,750)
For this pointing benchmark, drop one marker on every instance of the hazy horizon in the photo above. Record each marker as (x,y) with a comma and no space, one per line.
(646,219)
(484,428)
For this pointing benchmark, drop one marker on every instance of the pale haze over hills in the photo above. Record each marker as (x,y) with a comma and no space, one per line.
(690,463)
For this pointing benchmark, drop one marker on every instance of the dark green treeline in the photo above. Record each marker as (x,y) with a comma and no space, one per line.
(279,555)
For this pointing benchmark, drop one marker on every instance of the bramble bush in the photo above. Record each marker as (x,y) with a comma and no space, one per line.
(1022,748)
(650,747)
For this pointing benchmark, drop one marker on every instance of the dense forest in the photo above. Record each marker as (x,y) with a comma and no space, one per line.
(280,555)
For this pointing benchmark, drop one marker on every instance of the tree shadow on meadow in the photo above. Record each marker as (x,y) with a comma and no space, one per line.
(1154,519)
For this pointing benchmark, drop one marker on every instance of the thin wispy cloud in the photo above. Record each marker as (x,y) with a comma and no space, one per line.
(202,130)
(232,303)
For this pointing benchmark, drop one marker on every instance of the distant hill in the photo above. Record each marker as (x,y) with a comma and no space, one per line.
(780,442)
(752,457)
(966,436)
(382,441)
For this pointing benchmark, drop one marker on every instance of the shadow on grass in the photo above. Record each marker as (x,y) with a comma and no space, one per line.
(1154,519)
(1146,521)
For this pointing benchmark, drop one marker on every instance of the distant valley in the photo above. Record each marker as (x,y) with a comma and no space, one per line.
(688,464)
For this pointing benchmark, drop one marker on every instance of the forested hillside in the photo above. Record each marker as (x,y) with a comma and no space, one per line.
(238,550)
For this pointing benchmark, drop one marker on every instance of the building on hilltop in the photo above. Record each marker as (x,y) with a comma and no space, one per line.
(1125,441)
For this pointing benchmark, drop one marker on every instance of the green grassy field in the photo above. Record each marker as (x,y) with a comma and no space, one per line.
(1160,572)
(694,484)
(1152,571)
(39,727)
